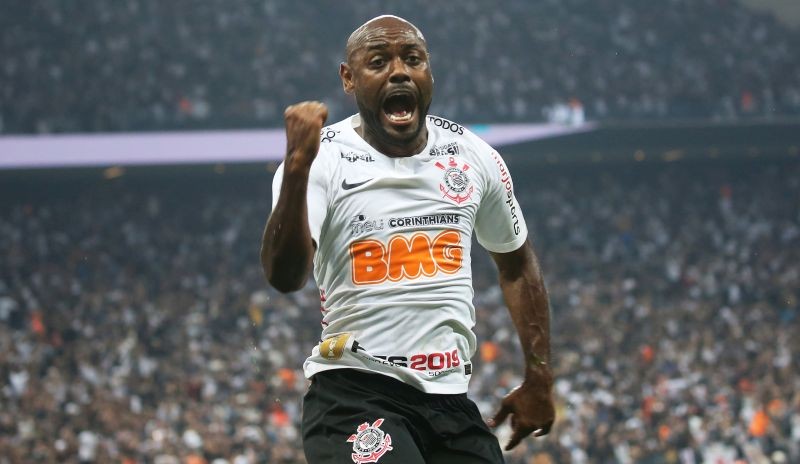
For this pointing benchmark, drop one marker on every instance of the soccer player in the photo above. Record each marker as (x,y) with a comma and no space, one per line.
(383,205)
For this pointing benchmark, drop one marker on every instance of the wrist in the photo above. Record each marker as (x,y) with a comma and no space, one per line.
(297,165)
(539,374)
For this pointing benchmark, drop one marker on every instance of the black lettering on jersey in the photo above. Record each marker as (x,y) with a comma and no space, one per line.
(361,225)
(450,149)
(354,156)
(356,347)
(401,361)
(327,134)
(447,125)
(429,220)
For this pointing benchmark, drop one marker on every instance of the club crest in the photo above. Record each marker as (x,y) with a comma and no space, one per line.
(456,184)
(370,442)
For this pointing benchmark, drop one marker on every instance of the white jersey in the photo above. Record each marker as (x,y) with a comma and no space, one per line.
(393,242)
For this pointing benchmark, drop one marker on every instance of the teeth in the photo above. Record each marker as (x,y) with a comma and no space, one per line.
(400,117)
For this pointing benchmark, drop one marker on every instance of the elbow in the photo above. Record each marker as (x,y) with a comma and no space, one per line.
(284,285)
(285,272)
(284,282)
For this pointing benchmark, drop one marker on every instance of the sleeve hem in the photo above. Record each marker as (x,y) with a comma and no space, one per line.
(505,247)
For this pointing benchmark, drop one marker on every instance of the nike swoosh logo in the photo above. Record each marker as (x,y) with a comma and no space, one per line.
(347,186)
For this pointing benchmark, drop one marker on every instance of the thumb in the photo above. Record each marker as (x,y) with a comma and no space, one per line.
(500,416)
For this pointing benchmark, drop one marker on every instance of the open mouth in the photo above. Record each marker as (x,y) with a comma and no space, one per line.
(399,108)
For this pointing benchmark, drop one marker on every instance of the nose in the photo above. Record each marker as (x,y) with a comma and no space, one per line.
(398,71)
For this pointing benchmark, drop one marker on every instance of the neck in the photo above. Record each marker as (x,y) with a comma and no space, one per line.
(393,148)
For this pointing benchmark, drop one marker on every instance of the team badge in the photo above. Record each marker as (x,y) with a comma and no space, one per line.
(456,184)
(333,347)
(370,442)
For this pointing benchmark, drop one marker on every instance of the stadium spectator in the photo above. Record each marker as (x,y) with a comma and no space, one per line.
(151,65)
(135,325)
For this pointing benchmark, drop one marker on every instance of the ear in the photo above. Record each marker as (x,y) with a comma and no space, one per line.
(429,67)
(347,78)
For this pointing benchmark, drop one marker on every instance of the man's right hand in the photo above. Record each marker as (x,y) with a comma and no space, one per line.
(303,124)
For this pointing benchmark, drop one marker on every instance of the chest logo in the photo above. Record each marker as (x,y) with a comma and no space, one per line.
(406,258)
(455,185)
(348,186)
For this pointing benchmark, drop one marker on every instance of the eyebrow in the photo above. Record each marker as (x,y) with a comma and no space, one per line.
(377,46)
(384,45)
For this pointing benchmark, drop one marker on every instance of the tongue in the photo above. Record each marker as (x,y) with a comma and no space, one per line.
(396,107)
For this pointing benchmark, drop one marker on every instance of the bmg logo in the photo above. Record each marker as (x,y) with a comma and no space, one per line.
(373,262)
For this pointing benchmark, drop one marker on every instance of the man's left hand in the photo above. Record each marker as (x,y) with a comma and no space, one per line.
(531,408)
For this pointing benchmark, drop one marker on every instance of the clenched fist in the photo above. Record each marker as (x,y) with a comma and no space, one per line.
(303,124)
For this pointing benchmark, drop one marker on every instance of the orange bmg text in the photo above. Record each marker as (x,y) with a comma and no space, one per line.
(405,257)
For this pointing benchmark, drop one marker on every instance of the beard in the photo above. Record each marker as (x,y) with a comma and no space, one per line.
(373,124)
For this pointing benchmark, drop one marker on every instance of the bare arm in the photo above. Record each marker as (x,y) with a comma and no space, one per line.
(287,249)
(530,404)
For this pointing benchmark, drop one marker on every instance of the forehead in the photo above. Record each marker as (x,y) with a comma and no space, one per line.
(383,34)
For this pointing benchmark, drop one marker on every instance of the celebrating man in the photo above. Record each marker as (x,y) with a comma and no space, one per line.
(383,205)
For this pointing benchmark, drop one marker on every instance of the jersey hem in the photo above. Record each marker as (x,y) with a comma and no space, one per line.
(430,387)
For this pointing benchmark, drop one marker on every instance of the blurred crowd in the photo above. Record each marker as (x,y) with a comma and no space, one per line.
(154,65)
(136,327)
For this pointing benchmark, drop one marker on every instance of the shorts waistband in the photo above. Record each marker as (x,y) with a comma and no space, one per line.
(383,384)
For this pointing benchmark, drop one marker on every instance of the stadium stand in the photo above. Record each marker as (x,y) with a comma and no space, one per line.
(135,324)
(153,65)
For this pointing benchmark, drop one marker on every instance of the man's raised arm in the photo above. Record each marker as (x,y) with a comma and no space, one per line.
(287,249)
(530,404)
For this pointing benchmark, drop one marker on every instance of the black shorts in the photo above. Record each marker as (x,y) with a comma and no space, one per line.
(356,417)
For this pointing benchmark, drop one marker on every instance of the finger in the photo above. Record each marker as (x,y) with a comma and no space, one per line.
(516,437)
(500,416)
(543,431)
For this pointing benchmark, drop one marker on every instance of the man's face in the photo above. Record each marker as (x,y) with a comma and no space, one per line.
(388,72)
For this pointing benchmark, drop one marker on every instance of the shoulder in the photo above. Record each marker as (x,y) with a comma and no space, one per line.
(445,126)
(454,139)
(339,142)
(448,131)
(336,134)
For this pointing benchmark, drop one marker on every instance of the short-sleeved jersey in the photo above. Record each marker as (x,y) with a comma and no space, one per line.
(392,260)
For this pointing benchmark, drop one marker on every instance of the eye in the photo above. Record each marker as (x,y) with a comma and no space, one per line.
(376,62)
(413,59)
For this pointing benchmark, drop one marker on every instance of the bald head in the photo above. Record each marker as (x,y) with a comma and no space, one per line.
(387,70)
(377,27)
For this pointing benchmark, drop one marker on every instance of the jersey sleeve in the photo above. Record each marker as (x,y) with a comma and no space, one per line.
(499,225)
(316,196)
